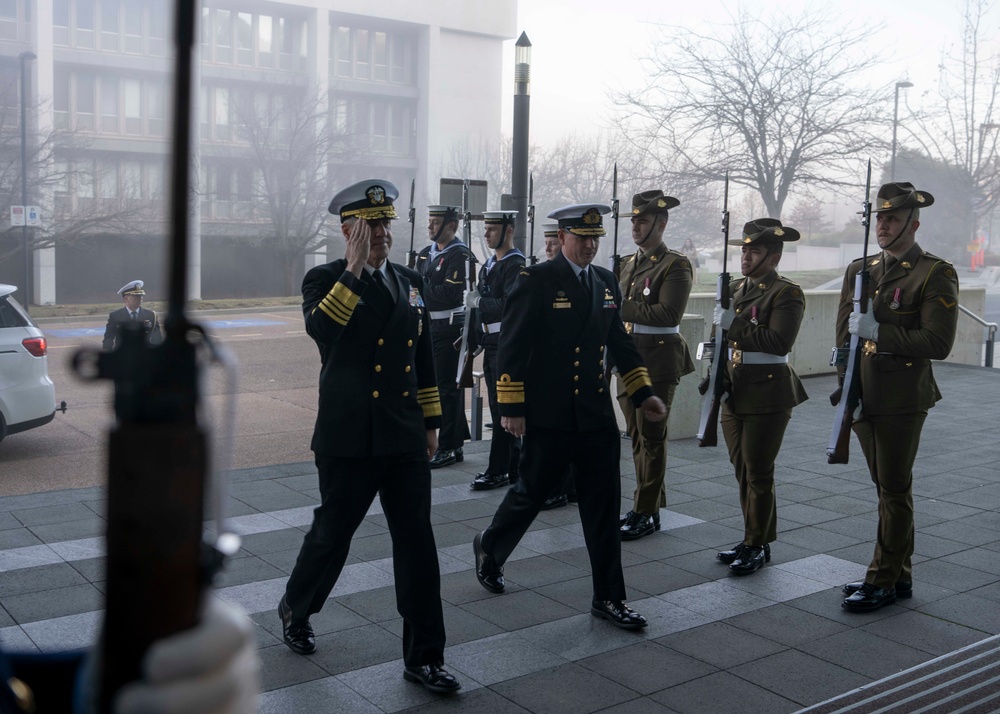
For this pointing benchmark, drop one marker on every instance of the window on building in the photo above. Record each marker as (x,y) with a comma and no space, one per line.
(265,41)
(380,127)
(397,130)
(10,103)
(60,100)
(380,57)
(244,39)
(221,107)
(158,29)
(338,121)
(60,22)
(398,61)
(155,172)
(83,177)
(131,179)
(205,30)
(285,41)
(342,50)
(107,179)
(109,104)
(362,55)
(133,26)
(84,35)
(132,93)
(85,101)
(156,91)
(109,25)
(223,191)
(223,37)
(8,19)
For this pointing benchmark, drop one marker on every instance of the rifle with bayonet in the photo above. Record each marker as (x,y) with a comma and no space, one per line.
(616,260)
(411,256)
(468,346)
(158,562)
(847,397)
(713,386)
(531,219)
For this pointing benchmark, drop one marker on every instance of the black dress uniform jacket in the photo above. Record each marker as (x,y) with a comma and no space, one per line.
(377,380)
(496,281)
(552,349)
(121,317)
(444,276)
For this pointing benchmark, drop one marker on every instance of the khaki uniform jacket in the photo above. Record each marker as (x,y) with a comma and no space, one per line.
(916,305)
(667,275)
(768,315)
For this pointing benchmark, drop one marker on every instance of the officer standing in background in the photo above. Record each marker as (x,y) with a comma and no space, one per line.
(444,266)
(552,389)
(376,428)
(496,280)
(655,283)
(133,313)
(552,246)
(763,320)
(912,319)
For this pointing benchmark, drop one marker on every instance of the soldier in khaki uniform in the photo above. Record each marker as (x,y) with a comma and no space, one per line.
(655,283)
(763,320)
(912,319)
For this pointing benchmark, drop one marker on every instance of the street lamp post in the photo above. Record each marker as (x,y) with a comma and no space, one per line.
(24,58)
(519,153)
(895,123)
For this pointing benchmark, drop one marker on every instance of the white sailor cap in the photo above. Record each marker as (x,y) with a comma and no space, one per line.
(495,218)
(453,212)
(133,287)
(582,219)
(550,229)
(369,200)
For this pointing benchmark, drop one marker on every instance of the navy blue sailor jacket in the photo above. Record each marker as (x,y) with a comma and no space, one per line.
(553,346)
(378,394)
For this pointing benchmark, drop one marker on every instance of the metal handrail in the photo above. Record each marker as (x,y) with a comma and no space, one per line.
(989,332)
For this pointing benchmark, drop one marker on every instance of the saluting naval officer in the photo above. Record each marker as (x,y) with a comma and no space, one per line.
(911,320)
(656,283)
(444,266)
(763,319)
(496,280)
(376,428)
(133,313)
(559,320)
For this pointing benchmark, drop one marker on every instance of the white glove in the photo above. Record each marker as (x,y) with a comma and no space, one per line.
(210,669)
(863,325)
(723,317)
(472,298)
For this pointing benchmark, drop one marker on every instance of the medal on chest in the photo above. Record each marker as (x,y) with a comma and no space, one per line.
(646,291)
(753,314)
(895,299)
(440,263)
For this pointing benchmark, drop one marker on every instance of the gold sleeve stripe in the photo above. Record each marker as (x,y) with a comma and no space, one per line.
(431,410)
(430,401)
(636,379)
(330,314)
(455,282)
(427,391)
(514,396)
(339,313)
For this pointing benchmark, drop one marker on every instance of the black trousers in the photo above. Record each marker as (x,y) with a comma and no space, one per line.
(347,488)
(454,426)
(546,455)
(505,450)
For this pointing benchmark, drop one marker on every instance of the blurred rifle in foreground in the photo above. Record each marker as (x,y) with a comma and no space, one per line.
(411,256)
(468,346)
(616,260)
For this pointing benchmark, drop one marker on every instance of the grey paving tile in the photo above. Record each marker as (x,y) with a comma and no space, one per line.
(952,576)
(816,539)
(517,610)
(72,530)
(273,541)
(710,535)
(334,617)
(567,686)
(54,514)
(963,532)
(933,546)
(575,594)
(544,570)
(14,639)
(280,668)
(499,658)
(383,685)
(823,568)
(720,645)
(79,549)
(924,632)
(45,577)
(64,633)
(776,584)
(827,604)
(718,599)
(237,571)
(348,650)
(800,677)
(865,653)
(480,700)
(48,604)
(656,578)
(51,498)
(16,536)
(722,693)
(29,556)
(787,625)
(319,695)
(967,610)
(647,667)
(808,514)
(710,510)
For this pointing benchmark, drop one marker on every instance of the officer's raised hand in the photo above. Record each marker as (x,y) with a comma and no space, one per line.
(358,240)
(654,409)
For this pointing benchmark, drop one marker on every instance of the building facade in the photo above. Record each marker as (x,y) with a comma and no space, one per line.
(293,99)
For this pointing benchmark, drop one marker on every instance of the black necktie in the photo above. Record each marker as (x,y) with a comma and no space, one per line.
(380,281)
(585,280)
(135,315)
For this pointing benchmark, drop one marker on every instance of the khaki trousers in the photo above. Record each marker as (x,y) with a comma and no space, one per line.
(649,448)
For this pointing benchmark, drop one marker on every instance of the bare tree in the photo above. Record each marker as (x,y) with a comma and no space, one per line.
(776,101)
(961,129)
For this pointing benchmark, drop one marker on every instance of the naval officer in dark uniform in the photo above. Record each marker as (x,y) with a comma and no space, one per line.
(763,320)
(376,428)
(560,320)
(496,281)
(911,320)
(444,265)
(133,313)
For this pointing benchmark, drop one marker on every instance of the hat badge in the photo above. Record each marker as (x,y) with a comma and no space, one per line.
(592,217)
(920,198)
(376,195)
(886,204)
(635,211)
(747,239)
(661,203)
(778,232)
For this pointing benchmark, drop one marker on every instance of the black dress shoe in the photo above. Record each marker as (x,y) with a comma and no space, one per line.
(298,636)
(617,613)
(623,519)
(554,502)
(904,588)
(750,560)
(433,677)
(868,598)
(488,573)
(728,556)
(640,525)
(485,482)
(447,457)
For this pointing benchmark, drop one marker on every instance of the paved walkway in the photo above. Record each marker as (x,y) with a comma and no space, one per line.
(776,641)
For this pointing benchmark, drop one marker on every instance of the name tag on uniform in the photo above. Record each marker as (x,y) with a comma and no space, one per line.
(561,301)
(562,304)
